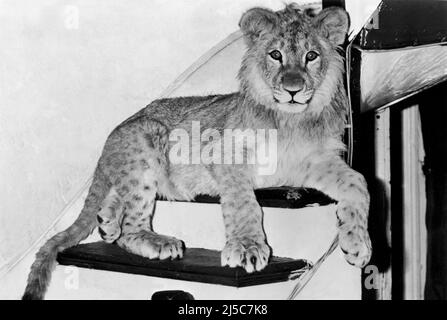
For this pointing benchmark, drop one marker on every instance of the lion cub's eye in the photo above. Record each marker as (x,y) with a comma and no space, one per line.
(276,55)
(311,56)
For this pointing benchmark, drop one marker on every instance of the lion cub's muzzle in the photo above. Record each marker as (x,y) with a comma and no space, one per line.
(293,90)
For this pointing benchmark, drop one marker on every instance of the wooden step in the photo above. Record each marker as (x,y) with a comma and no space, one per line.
(198,264)
(280,197)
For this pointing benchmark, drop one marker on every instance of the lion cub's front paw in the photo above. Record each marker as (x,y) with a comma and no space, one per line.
(356,245)
(246,253)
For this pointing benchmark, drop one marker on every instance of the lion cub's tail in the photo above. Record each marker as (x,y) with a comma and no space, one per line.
(45,262)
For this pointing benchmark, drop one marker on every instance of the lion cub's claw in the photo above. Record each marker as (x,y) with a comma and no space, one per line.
(165,247)
(356,246)
(246,253)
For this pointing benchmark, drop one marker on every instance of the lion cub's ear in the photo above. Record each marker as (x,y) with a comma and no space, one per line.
(255,21)
(333,24)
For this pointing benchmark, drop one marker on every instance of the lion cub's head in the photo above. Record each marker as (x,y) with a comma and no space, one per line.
(291,63)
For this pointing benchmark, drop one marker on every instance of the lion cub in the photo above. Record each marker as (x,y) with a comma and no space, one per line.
(291,84)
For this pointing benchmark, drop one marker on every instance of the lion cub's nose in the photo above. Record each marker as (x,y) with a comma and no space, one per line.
(293,83)
(292,93)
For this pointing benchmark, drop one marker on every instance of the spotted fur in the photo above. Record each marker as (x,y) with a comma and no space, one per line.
(300,95)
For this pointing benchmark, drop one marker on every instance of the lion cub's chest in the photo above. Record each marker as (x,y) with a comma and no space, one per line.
(283,162)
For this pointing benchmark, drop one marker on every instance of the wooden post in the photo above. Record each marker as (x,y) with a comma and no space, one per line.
(414,206)
(383,174)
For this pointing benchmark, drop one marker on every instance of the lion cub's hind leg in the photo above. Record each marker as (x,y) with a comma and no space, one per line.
(134,161)
(137,235)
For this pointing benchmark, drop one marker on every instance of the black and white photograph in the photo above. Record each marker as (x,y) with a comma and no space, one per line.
(223,150)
